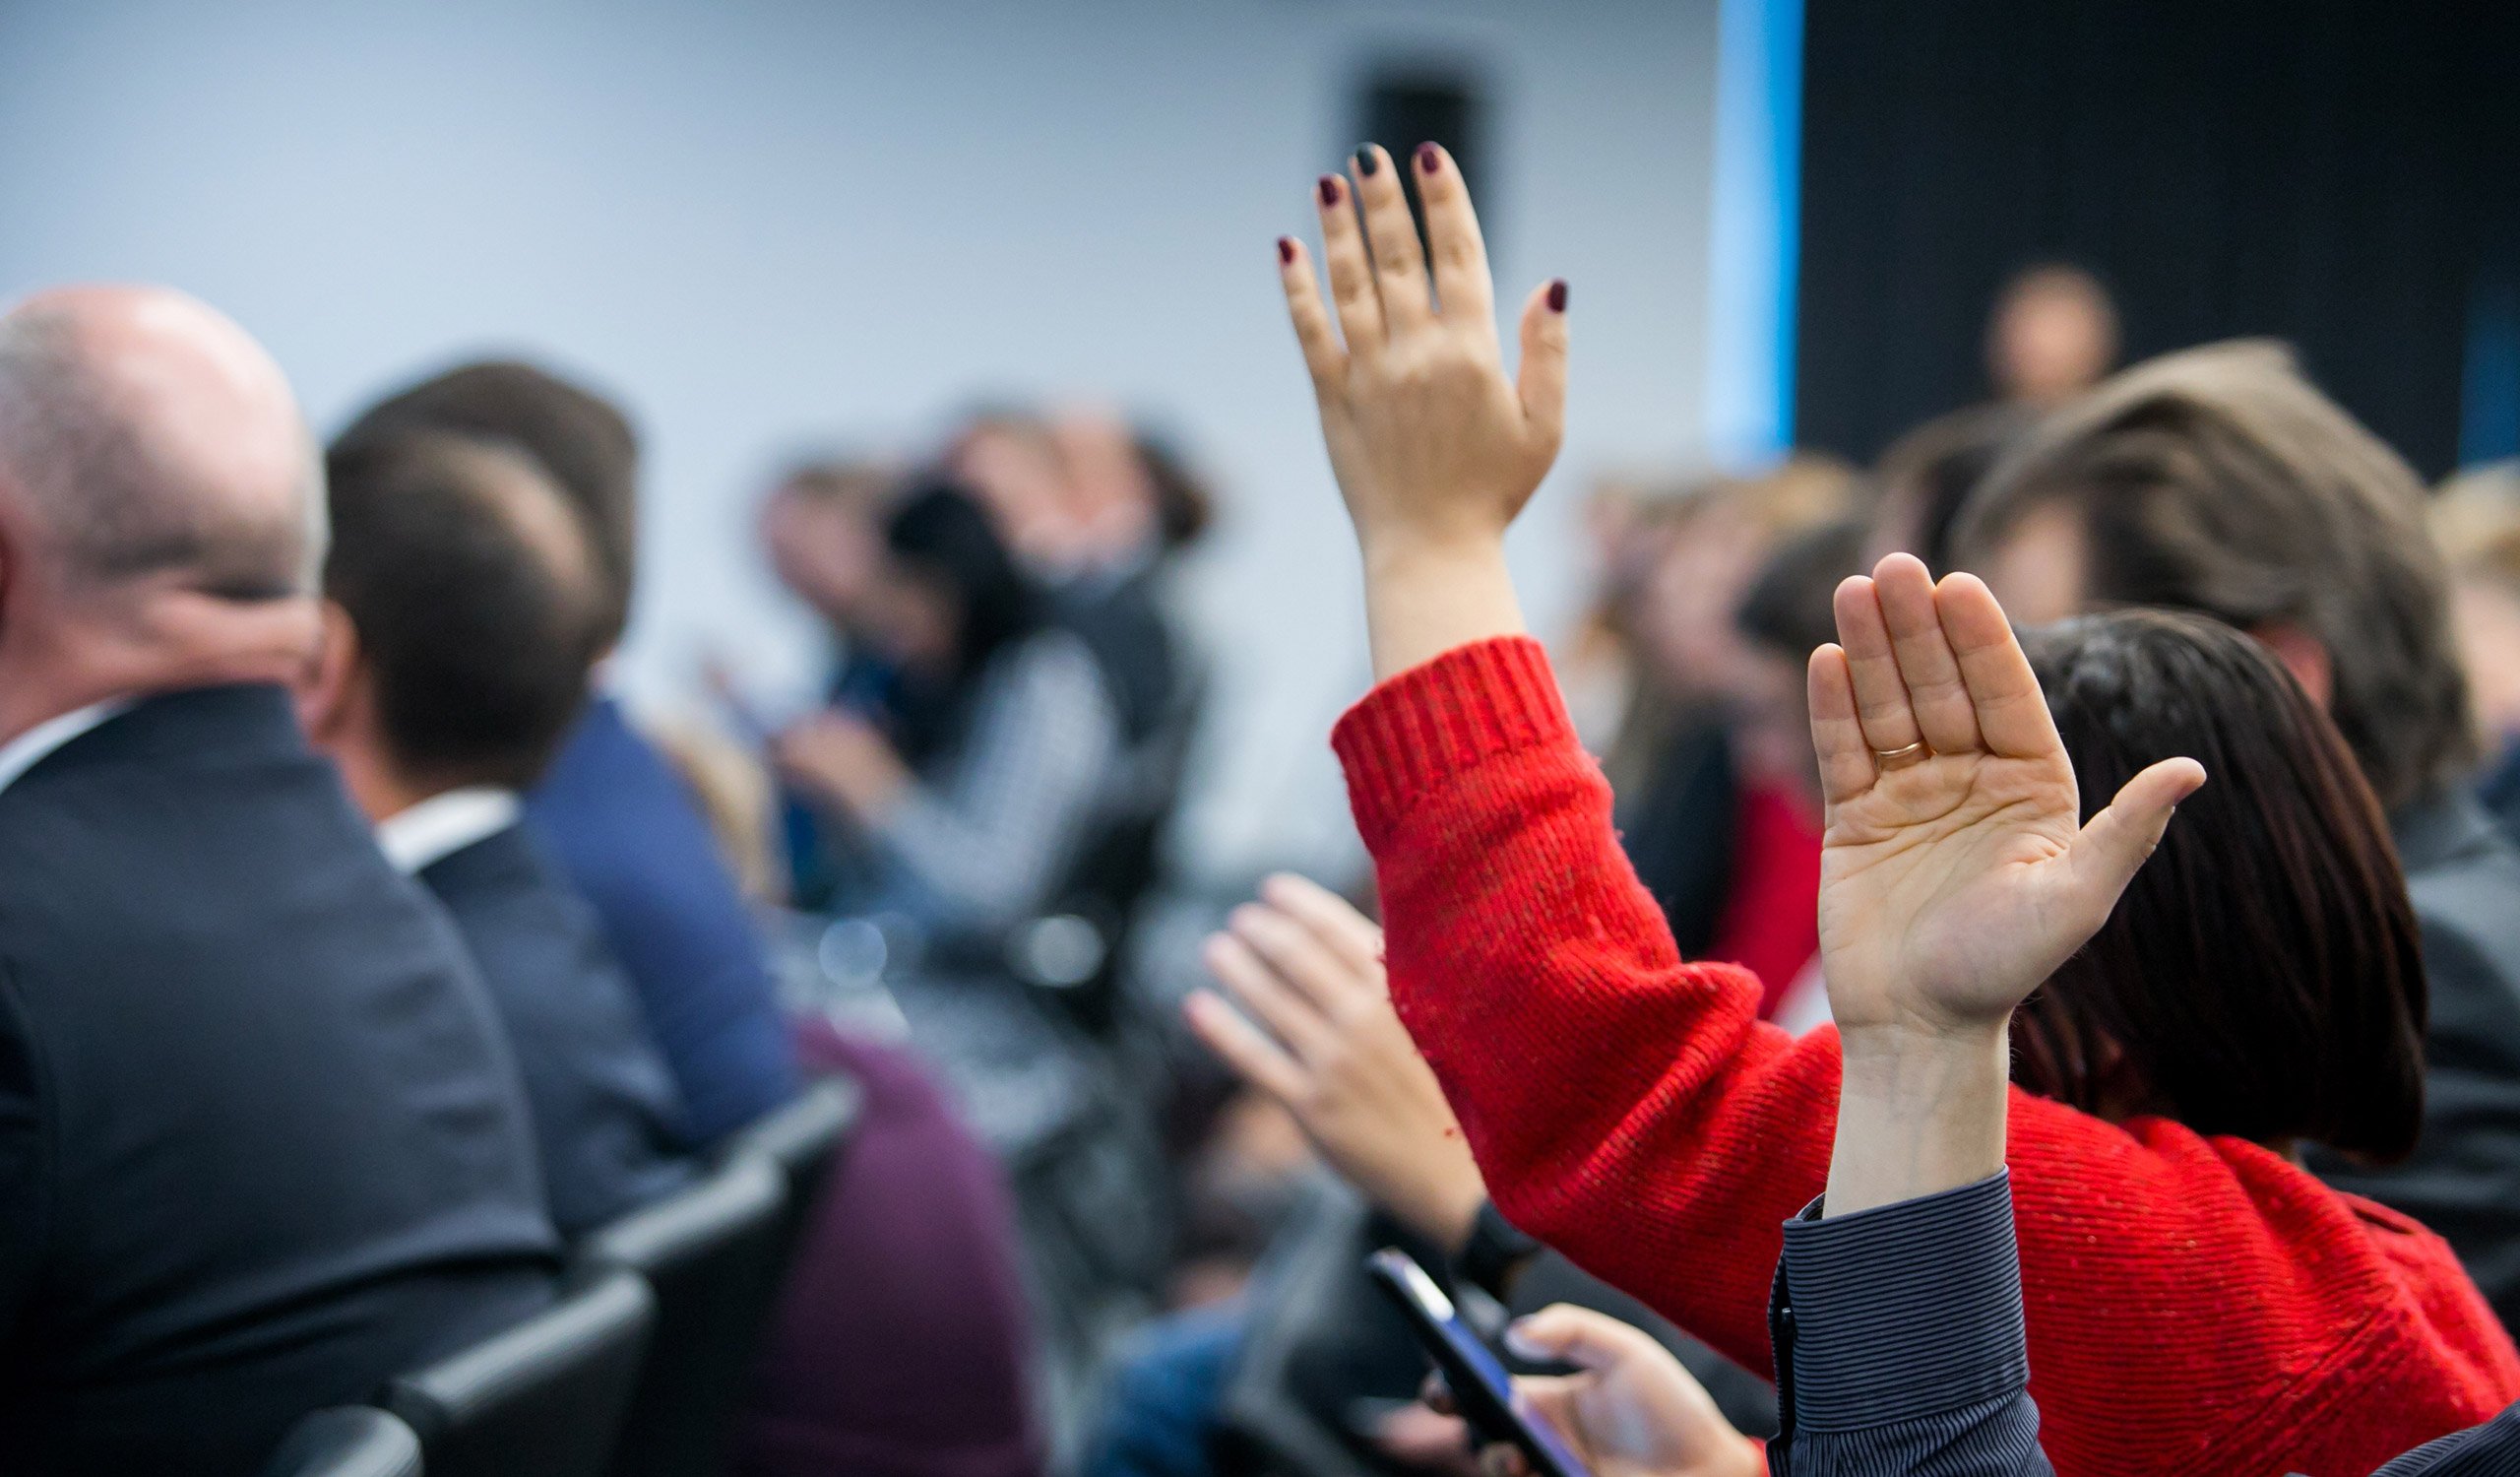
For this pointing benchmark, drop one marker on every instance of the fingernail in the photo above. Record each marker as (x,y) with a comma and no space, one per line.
(1368,162)
(1557,296)
(1519,1343)
(1428,159)
(1286,251)
(1329,189)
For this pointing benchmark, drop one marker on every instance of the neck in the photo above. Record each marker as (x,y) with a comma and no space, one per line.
(378,786)
(176,641)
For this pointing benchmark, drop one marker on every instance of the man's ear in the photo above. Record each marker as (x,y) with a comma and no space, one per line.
(2303,655)
(325,685)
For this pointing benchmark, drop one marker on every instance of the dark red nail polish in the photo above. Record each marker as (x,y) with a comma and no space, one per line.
(1286,251)
(1428,159)
(1329,189)
(1557,296)
(1368,162)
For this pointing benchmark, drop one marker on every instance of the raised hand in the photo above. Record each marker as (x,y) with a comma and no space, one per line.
(1956,873)
(1309,968)
(1434,448)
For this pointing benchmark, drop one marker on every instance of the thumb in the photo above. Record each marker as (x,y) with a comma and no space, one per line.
(1542,374)
(2114,844)
(1574,1335)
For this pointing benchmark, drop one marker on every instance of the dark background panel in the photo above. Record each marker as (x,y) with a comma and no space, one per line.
(2324,172)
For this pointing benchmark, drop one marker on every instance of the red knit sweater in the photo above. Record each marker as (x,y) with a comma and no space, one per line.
(2196,1306)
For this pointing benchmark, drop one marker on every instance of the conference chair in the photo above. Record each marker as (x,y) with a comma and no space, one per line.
(348,1441)
(544,1398)
(714,1254)
(802,1139)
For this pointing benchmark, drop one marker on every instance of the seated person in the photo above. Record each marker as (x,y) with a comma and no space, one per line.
(2259,987)
(611,810)
(262,1143)
(462,619)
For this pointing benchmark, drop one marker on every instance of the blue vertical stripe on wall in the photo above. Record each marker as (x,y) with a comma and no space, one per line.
(1754,223)
(2489,388)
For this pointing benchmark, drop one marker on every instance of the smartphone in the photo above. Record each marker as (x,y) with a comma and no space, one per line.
(1482,1389)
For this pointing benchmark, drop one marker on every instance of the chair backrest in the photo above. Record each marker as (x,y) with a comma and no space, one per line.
(544,1398)
(714,1256)
(802,1139)
(348,1441)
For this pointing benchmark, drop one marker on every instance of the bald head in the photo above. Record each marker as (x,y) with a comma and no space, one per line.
(145,436)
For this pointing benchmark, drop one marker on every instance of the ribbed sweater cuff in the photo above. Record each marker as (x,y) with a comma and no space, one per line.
(1905,1309)
(1428,726)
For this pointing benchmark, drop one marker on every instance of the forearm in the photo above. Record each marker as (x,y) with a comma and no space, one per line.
(1917,1114)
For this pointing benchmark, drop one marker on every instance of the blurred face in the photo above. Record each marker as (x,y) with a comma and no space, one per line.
(1019,478)
(1684,606)
(2040,571)
(913,620)
(2051,342)
(827,554)
(2487,615)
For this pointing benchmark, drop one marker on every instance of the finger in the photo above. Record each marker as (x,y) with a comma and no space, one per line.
(1575,1336)
(1290,950)
(1261,989)
(1436,1395)
(1463,285)
(2114,844)
(1321,351)
(1333,920)
(1880,692)
(1946,715)
(1352,275)
(2012,712)
(1541,380)
(1244,1046)
(1399,267)
(1502,1459)
(1846,765)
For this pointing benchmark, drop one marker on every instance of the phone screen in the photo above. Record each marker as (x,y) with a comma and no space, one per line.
(1482,1387)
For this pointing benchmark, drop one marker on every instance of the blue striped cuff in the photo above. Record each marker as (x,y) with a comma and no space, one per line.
(1907,1309)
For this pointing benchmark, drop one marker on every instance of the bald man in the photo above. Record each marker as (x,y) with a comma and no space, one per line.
(262,1143)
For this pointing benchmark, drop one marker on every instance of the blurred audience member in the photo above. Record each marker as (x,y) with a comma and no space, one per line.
(465,612)
(2052,335)
(2476,519)
(968,791)
(1928,475)
(1731,858)
(2218,480)
(262,1144)
(611,809)
(1012,462)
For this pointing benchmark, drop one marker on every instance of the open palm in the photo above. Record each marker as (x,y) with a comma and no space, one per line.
(1956,873)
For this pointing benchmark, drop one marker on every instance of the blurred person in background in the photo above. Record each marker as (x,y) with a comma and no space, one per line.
(463,614)
(611,809)
(2476,519)
(2219,481)
(1731,858)
(261,1143)
(1926,478)
(2052,335)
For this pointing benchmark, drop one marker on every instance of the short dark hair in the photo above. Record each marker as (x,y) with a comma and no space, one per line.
(1929,473)
(583,440)
(2262,975)
(478,600)
(1184,508)
(2219,481)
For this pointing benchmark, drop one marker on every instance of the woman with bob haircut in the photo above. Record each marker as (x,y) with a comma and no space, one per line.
(2197,1303)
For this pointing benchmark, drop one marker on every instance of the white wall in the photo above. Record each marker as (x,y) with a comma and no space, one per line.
(774,224)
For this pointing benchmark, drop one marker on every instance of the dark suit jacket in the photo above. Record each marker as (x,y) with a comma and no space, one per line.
(606,1118)
(262,1143)
(628,835)
(2464,1177)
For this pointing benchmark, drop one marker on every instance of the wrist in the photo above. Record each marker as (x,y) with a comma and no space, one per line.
(1919,1112)
(1428,593)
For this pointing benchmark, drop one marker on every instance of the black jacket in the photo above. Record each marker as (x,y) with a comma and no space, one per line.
(262,1143)
(607,1120)
(2464,1177)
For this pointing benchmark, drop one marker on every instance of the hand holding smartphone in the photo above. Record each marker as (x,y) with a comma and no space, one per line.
(1482,1388)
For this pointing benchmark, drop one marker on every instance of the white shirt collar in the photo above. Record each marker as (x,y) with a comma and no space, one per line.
(425,834)
(28,748)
